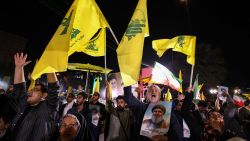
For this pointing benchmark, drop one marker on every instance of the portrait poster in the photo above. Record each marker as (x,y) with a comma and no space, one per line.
(156,120)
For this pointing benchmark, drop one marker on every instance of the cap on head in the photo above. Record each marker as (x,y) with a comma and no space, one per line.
(159,106)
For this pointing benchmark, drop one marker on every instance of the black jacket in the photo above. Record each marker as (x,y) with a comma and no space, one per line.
(33,123)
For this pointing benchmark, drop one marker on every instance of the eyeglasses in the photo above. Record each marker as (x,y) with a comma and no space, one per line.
(69,125)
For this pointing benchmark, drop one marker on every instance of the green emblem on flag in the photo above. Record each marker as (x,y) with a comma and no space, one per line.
(74,33)
(92,46)
(65,23)
(181,41)
(134,28)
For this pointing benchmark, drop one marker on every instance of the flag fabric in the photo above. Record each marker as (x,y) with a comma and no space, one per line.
(96,85)
(196,88)
(184,44)
(88,20)
(110,91)
(180,78)
(97,45)
(161,75)
(238,100)
(203,96)
(32,84)
(168,96)
(130,49)
(79,25)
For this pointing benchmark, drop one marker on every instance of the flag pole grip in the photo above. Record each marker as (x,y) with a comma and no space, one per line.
(191,76)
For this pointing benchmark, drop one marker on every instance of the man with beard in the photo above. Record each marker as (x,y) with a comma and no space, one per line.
(82,106)
(157,123)
(35,119)
(74,128)
(138,108)
(121,121)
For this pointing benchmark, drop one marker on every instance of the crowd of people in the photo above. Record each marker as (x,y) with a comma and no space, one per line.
(38,115)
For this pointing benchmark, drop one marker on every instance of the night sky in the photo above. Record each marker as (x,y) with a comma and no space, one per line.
(222,24)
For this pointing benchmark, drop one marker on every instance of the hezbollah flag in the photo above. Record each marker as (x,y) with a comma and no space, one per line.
(88,20)
(180,78)
(96,85)
(130,49)
(184,44)
(97,45)
(80,24)
(168,96)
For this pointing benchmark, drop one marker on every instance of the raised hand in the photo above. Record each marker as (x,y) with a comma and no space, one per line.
(20,60)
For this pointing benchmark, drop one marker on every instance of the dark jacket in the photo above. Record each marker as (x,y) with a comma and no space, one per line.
(120,125)
(138,108)
(33,123)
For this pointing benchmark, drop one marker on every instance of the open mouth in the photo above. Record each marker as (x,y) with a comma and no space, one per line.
(153,95)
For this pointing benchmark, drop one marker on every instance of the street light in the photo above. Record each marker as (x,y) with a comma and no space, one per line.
(213,91)
(237,91)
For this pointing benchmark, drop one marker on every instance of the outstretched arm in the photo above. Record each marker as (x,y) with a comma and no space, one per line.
(20,62)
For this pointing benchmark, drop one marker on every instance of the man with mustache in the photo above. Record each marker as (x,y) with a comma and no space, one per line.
(157,122)
(35,119)
(153,97)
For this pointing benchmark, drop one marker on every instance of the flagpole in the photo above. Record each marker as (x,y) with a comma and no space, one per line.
(191,76)
(86,83)
(105,59)
(113,35)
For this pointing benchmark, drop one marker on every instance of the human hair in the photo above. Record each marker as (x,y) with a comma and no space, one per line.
(112,76)
(43,88)
(83,94)
(120,97)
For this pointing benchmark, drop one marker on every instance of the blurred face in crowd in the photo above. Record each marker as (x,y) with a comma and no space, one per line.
(35,95)
(179,105)
(70,97)
(157,116)
(3,127)
(95,97)
(216,121)
(121,104)
(154,94)
(113,83)
(68,129)
(80,100)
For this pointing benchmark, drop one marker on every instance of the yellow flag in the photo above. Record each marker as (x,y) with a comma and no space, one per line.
(184,44)
(96,46)
(200,86)
(110,91)
(80,24)
(202,96)
(96,87)
(180,78)
(168,96)
(32,84)
(130,49)
(88,20)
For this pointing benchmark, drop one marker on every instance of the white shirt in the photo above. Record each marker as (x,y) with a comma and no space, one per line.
(67,107)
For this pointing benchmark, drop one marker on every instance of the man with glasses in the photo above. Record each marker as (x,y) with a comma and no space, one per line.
(36,109)
(74,128)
